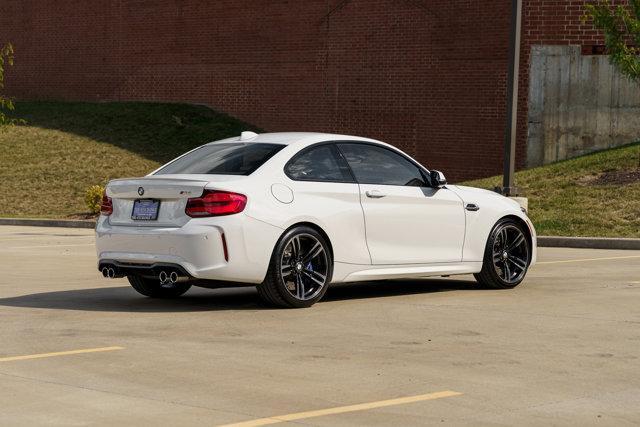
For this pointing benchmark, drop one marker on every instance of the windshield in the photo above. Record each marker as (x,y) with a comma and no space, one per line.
(222,159)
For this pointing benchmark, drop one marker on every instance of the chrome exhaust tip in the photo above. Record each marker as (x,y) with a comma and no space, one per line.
(105,272)
(163,277)
(173,277)
(111,273)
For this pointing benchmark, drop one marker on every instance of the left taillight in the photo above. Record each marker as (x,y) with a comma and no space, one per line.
(215,203)
(106,207)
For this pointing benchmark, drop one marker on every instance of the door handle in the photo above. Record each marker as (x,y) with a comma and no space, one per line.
(374,194)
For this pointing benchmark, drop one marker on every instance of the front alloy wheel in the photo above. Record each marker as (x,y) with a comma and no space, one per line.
(300,270)
(507,256)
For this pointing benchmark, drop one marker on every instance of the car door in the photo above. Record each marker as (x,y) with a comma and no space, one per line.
(325,192)
(406,221)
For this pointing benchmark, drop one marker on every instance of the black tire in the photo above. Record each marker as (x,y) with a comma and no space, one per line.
(505,261)
(278,288)
(153,289)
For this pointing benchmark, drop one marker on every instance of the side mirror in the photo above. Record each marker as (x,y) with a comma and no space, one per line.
(437,179)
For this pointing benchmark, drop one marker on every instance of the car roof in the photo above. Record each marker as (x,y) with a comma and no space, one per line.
(290,138)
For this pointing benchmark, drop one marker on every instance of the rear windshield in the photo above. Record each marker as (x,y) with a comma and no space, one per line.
(222,159)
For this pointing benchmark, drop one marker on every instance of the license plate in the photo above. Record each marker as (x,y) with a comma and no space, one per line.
(145,210)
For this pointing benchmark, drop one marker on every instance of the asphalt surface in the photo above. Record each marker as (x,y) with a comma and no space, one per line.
(78,349)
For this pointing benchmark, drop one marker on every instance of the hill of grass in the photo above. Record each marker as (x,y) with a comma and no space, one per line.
(47,164)
(596,195)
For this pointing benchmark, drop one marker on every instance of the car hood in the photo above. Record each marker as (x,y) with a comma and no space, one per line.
(475,195)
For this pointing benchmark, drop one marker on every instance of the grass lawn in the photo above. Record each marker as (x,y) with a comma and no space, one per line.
(596,195)
(47,165)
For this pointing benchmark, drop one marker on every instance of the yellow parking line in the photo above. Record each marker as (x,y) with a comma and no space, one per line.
(589,259)
(59,353)
(344,409)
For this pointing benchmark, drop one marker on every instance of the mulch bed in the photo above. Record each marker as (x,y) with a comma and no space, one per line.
(623,177)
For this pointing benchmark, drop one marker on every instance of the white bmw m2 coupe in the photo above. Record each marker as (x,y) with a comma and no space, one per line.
(291,213)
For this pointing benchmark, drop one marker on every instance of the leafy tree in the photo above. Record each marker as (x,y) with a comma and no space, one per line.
(6,59)
(621,27)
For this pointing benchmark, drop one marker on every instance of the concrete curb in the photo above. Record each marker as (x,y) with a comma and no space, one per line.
(543,241)
(70,223)
(588,242)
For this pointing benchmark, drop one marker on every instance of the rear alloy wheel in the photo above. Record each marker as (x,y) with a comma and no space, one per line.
(507,256)
(300,270)
(152,287)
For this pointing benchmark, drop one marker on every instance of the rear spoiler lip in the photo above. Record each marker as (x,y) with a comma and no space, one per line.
(184,178)
(153,177)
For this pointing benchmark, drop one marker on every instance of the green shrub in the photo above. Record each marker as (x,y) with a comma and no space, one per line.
(6,59)
(93,198)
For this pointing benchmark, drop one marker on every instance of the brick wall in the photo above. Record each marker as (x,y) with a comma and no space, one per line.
(426,75)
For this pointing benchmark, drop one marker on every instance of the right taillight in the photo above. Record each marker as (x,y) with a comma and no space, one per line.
(106,207)
(215,203)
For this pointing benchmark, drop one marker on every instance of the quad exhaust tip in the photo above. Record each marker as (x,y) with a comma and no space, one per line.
(166,277)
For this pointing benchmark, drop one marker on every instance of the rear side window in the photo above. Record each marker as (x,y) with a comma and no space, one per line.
(320,163)
(223,159)
(372,164)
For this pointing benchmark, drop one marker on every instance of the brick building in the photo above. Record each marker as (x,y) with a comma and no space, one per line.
(426,75)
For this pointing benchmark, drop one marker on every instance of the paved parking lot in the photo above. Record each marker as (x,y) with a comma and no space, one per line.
(78,349)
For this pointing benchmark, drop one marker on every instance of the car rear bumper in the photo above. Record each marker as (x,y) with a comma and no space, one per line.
(198,246)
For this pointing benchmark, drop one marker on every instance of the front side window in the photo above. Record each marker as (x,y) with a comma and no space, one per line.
(372,164)
(223,159)
(320,163)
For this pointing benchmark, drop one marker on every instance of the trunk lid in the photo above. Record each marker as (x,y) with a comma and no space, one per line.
(172,192)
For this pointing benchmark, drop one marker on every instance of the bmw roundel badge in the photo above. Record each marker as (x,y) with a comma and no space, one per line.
(141,191)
